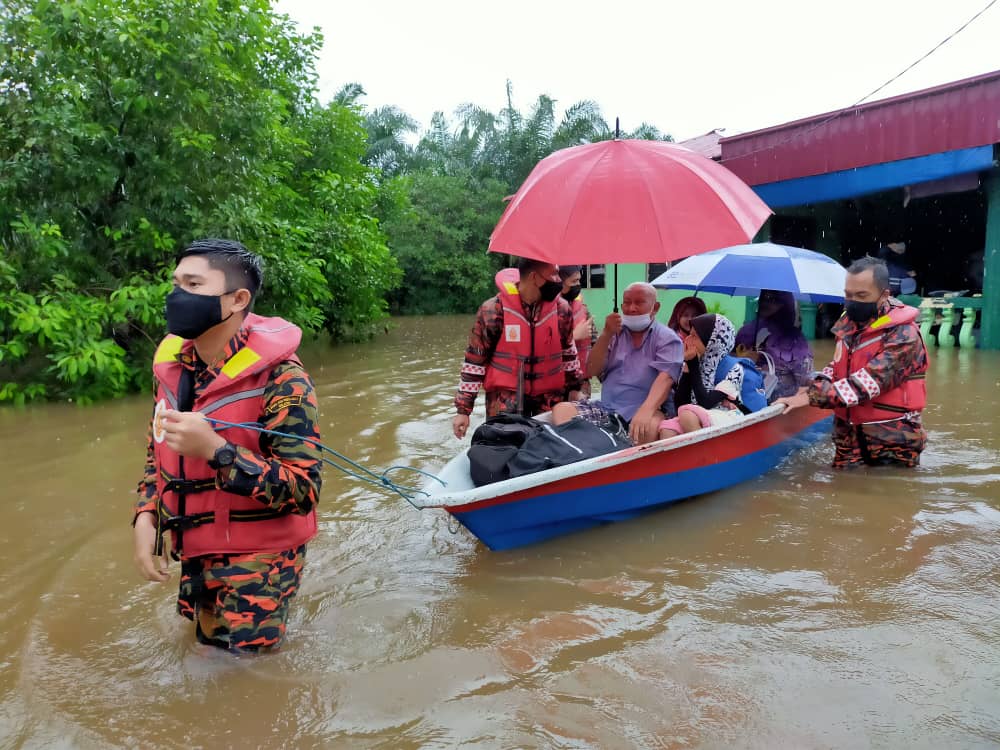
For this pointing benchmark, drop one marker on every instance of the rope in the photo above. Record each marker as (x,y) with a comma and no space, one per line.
(356,470)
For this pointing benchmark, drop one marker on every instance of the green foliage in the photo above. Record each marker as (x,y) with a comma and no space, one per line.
(128,129)
(441,242)
(456,179)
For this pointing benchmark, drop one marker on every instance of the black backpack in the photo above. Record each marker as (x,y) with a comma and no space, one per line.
(568,443)
(495,443)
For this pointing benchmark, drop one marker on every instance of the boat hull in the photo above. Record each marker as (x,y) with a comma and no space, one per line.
(650,478)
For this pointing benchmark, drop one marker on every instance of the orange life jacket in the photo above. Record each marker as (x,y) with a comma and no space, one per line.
(849,363)
(203,519)
(528,349)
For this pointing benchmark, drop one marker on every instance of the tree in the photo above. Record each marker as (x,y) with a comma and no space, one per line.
(127,129)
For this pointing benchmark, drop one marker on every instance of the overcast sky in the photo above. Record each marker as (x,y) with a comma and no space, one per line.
(685,67)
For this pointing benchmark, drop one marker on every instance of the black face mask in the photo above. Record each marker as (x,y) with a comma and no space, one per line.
(550,290)
(860,312)
(573,293)
(190,315)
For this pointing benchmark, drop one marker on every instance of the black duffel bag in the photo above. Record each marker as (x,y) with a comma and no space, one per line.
(494,443)
(568,443)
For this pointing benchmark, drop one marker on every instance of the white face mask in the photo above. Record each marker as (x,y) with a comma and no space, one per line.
(637,323)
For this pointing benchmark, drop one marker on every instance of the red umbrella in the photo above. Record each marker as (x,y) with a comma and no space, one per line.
(627,201)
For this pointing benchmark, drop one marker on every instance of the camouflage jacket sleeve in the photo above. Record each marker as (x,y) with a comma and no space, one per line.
(285,475)
(146,495)
(482,342)
(902,354)
(571,362)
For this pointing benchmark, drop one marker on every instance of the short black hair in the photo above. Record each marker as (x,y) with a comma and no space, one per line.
(243,268)
(880,271)
(566,271)
(527,265)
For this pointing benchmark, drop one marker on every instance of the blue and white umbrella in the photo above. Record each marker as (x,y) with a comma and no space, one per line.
(743,270)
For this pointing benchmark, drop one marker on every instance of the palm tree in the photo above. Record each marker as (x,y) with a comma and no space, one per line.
(387,148)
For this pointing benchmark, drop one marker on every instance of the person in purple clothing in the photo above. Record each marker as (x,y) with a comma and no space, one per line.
(775,333)
(637,360)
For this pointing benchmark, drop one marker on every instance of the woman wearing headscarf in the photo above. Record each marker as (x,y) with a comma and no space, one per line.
(717,386)
(775,333)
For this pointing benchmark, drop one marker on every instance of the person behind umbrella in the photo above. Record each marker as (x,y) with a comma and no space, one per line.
(775,333)
(584,330)
(638,360)
(717,386)
(684,312)
(875,384)
(520,349)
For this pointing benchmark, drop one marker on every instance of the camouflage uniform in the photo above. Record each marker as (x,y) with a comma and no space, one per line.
(899,441)
(483,339)
(243,598)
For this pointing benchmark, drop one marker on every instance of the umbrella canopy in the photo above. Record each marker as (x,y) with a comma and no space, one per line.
(626,201)
(746,269)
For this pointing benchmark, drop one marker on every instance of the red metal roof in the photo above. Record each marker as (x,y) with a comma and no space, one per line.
(706,145)
(961,114)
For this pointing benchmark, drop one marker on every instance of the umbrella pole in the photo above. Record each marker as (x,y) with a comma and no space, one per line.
(614,300)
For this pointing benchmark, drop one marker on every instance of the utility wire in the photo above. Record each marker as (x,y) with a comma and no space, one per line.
(872,93)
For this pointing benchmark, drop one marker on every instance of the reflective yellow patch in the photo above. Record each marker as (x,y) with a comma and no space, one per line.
(168,350)
(881,322)
(510,286)
(244,358)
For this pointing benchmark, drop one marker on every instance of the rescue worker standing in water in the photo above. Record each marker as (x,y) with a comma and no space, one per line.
(240,505)
(875,384)
(521,349)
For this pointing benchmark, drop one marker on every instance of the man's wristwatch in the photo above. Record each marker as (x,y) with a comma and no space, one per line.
(224,456)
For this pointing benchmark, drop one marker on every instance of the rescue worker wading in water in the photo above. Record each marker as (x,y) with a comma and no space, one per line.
(520,349)
(875,384)
(240,505)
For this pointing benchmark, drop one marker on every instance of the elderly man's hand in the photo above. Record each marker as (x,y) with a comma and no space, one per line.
(613,324)
(644,427)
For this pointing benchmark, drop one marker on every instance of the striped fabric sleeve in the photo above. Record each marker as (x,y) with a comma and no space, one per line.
(146,494)
(570,356)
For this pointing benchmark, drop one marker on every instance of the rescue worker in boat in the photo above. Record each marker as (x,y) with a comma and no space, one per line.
(584,330)
(240,505)
(521,349)
(875,384)
(638,360)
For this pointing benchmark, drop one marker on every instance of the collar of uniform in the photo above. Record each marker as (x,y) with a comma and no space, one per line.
(189,359)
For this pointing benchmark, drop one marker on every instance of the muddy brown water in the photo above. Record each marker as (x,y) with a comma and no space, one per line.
(806,609)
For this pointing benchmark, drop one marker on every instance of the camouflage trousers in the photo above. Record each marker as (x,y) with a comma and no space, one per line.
(240,602)
(896,443)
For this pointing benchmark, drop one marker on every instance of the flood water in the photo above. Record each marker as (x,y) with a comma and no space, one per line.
(806,609)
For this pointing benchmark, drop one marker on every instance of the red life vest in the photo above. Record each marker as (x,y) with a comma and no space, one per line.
(203,519)
(849,372)
(582,345)
(533,348)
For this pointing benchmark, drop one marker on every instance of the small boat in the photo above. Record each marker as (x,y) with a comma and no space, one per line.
(621,485)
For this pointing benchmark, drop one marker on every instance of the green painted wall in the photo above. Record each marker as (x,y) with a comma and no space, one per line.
(989,337)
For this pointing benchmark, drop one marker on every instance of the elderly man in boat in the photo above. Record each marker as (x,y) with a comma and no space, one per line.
(638,360)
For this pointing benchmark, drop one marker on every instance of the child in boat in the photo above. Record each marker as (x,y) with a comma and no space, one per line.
(714,379)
